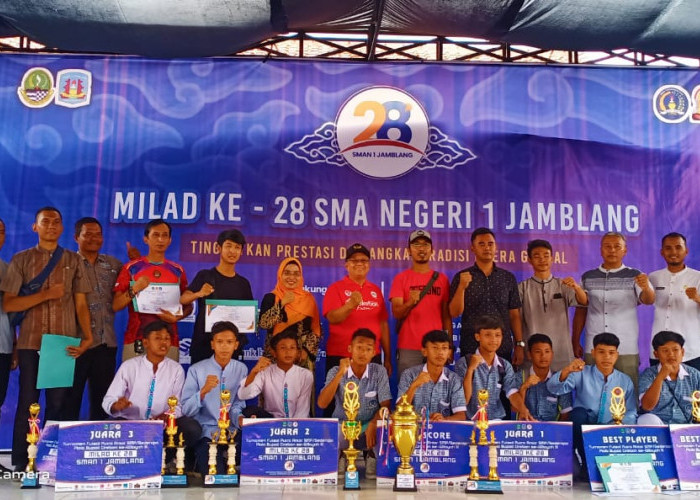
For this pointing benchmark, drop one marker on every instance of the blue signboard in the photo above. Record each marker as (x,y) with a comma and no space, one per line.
(289,451)
(602,440)
(686,450)
(47,453)
(109,455)
(529,454)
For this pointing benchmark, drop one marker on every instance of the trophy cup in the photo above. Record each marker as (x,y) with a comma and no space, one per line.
(351,430)
(404,436)
(476,483)
(222,441)
(695,402)
(617,405)
(179,479)
(31,479)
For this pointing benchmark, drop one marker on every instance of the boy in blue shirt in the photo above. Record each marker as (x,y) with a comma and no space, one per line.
(201,395)
(433,386)
(665,390)
(593,385)
(486,370)
(373,390)
(543,405)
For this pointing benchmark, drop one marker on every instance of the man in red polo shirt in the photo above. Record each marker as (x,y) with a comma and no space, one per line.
(153,268)
(353,303)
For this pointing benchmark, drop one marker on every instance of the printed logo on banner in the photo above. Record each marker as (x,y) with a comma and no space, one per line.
(383,133)
(695,102)
(671,103)
(36,90)
(73,88)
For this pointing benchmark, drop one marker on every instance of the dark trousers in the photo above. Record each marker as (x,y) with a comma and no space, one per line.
(28,394)
(332,361)
(581,416)
(95,367)
(5,364)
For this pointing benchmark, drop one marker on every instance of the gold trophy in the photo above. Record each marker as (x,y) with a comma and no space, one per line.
(695,402)
(30,479)
(179,479)
(221,440)
(351,430)
(617,405)
(404,436)
(476,483)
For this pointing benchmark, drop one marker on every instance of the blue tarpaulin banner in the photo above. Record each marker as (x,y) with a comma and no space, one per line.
(307,158)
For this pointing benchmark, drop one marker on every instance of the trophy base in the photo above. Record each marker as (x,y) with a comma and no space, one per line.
(221,481)
(405,482)
(484,486)
(174,481)
(30,481)
(352,480)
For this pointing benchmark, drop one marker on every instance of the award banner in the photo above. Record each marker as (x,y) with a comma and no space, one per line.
(289,451)
(603,440)
(47,453)
(109,455)
(686,450)
(529,454)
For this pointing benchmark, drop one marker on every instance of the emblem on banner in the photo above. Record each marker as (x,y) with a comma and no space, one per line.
(73,88)
(671,103)
(383,133)
(36,90)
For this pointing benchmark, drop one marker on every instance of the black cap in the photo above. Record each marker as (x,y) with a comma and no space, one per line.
(356,248)
(419,233)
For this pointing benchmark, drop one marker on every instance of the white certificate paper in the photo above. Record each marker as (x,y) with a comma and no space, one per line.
(157,297)
(242,313)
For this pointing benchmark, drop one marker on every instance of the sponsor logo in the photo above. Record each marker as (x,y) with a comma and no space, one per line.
(382,133)
(36,90)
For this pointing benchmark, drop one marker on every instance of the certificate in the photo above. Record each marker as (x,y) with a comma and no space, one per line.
(157,297)
(242,313)
(626,473)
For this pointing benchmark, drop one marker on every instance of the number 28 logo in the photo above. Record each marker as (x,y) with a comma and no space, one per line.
(382,132)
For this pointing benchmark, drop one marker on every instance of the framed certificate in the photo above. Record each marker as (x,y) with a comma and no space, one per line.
(157,297)
(242,313)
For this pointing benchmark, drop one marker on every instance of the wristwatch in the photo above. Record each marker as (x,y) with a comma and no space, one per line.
(520,343)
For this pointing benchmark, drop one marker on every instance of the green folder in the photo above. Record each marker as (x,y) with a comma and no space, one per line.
(56,367)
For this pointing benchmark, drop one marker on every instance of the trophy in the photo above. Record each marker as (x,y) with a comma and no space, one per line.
(404,436)
(222,441)
(491,483)
(351,430)
(30,478)
(695,402)
(179,479)
(617,405)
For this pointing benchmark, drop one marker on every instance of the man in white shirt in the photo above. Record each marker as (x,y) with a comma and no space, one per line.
(286,388)
(677,303)
(142,385)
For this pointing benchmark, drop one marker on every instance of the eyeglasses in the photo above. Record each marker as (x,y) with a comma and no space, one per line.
(359,262)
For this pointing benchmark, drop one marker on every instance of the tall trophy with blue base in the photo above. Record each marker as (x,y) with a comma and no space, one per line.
(223,441)
(31,478)
(168,479)
(404,434)
(477,483)
(351,430)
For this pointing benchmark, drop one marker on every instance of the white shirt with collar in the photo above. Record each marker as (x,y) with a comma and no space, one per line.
(271,382)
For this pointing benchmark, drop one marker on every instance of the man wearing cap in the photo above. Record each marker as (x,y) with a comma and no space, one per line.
(221,283)
(485,288)
(419,298)
(353,303)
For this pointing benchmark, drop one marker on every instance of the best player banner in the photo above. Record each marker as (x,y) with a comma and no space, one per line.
(686,450)
(604,440)
(306,158)
(109,455)
(289,451)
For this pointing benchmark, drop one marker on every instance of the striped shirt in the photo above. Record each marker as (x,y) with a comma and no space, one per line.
(373,390)
(674,406)
(497,378)
(446,396)
(542,403)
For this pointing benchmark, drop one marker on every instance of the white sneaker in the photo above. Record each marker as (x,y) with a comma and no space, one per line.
(370,467)
(342,465)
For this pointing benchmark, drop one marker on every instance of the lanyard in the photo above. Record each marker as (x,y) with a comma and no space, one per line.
(285,394)
(601,410)
(150,397)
